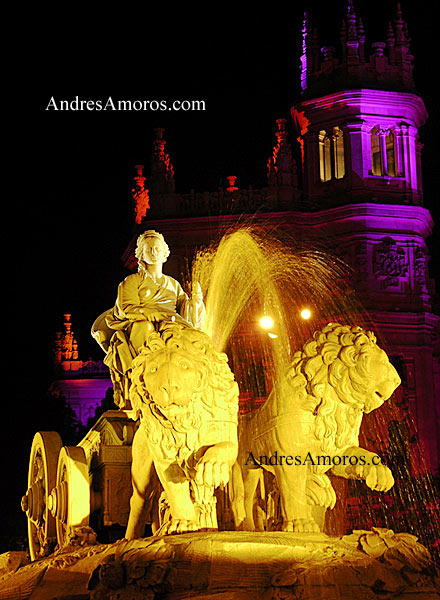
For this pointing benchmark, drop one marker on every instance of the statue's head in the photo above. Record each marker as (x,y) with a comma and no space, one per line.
(179,368)
(348,359)
(151,248)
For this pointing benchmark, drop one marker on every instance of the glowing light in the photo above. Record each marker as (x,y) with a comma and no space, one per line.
(266,322)
(272,335)
(306,313)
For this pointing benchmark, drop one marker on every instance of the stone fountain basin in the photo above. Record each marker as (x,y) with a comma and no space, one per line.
(231,565)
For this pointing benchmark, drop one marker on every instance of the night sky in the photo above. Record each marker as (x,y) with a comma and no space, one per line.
(72,170)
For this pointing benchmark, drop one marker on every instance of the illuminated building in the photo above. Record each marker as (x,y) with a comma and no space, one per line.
(356,185)
(83,383)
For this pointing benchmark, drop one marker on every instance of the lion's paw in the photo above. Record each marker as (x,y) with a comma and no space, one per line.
(301,526)
(378,477)
(177,526)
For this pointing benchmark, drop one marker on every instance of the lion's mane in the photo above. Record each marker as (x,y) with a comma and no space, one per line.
(331,375)
(217,390)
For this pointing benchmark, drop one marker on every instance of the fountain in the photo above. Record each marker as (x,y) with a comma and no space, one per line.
(280,548)
(251,274)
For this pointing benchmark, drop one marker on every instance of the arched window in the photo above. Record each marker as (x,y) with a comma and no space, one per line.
(390,148)
(338,150)
(331,154)
(383,152)
(325,170)
(376,152)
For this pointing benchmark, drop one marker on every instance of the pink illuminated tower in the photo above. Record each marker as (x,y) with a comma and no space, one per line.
(358,120)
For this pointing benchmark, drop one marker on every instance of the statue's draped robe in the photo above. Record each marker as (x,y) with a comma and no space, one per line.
(126,326)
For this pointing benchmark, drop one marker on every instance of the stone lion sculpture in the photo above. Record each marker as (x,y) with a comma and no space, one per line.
(310,424)
(187,398)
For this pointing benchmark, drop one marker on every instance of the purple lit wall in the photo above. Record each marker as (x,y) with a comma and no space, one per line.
(84,396)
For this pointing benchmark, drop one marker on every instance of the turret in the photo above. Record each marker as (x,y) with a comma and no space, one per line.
(162,171)
(358,118)
(389,65)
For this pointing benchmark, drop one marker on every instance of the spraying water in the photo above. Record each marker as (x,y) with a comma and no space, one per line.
(264,299)
(265,296)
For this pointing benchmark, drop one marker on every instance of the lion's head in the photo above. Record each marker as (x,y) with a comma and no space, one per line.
(179,366)
(342,373)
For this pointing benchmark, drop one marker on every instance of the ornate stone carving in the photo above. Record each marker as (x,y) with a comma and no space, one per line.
(66,346)
(141,198)
(92,443)
(365,565)
(399,550)
(281,166)
(421,268)
(390,262)
(162,170)
(315,414)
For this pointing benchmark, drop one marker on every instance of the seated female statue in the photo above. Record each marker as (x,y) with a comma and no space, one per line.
(144,300)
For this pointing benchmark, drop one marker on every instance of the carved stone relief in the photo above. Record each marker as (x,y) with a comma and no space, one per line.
(420,268)
(390,262)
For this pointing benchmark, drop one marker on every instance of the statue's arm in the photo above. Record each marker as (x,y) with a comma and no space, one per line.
(192,309)
(182,300)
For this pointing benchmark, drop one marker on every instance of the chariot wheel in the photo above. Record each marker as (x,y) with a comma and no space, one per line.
(69,501)
(43,462)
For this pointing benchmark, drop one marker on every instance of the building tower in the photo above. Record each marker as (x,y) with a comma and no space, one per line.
(358,121)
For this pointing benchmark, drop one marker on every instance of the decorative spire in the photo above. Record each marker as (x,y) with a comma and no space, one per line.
(306,56)
(361,38)
(351,21)
(401,52)
(391,40)
(406,31)
(389,66)
(315,49)
(140,195)
(401,27)
(281,165)
(352,42)
(66,347)
(343,38)
(232,187)
(399,22)
(162,171)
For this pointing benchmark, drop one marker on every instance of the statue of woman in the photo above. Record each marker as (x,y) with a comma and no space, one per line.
(145,300)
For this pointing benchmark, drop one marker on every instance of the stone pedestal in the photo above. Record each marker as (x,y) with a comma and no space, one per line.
(234,565)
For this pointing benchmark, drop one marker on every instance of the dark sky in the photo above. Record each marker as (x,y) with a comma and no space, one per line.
(72,170)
